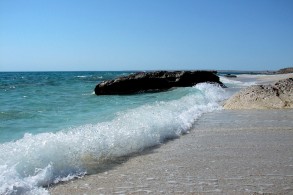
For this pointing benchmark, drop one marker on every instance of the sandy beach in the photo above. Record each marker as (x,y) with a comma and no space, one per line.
(262,78)
(226,152)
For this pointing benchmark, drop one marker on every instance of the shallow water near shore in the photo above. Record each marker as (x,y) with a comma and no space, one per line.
(45,113)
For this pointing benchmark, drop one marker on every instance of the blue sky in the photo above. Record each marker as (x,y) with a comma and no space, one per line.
(46,35)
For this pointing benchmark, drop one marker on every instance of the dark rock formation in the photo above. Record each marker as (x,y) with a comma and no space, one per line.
(155,81)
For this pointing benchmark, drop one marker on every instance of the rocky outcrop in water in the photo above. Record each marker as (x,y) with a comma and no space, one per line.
(278,95)
(154,81)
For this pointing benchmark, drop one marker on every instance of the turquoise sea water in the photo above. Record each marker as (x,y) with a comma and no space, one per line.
(35,102)
(54,128)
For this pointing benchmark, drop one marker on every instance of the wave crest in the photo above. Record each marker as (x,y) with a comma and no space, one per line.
(39,160)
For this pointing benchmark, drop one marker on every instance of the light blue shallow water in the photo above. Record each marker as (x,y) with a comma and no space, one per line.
(53,127)
(50,101)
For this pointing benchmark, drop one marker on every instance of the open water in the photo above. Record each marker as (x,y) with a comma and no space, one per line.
(54,128)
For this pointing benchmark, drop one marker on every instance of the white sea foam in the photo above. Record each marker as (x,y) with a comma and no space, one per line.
(36,161)
(236,83)
(89,76)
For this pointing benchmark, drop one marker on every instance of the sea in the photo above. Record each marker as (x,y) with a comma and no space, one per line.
(53,128)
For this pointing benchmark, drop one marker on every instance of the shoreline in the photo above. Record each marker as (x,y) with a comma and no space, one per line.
(227,156)
(226,152)
(262,79)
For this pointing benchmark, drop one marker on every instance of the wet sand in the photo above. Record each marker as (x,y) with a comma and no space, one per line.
(227,152)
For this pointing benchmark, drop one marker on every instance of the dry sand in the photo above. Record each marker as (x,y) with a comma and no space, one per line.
(263,79)
(226,152)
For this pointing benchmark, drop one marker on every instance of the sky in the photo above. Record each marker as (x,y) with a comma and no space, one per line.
(98,35)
